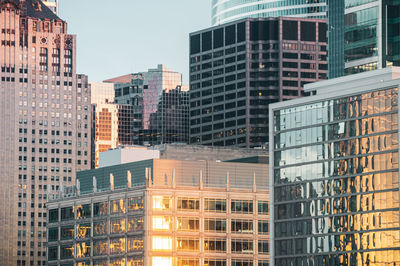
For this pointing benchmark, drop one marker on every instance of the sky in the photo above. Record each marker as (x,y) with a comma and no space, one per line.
(119,37)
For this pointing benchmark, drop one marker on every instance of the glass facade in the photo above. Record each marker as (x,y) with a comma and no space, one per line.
(336,181)
(224,11)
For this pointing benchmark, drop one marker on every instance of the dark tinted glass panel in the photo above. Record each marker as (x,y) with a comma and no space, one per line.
(53,253)
(67,213)
(308,31)
(263,30)
(53,234)
(53,216)
(218,38)
(289,31)
(241,32)
(206,41)
(230,35)
(195,44)
(322,32)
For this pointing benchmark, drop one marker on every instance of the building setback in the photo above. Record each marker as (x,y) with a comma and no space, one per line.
(163,212)
(160,104)
(224,11)
(52,5)
(363,36)
(335,192)
(45,124)
(238,69)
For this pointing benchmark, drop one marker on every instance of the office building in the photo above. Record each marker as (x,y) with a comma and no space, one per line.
(238,69)
(335,160)
(163,212)
(224,11)
(160,104)
(45,124)
(112,123)
(363,36)
(52,5)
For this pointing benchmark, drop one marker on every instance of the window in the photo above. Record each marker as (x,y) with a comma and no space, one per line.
(117,245)
(242,226)
(135,244)
(83,211)
(187,244)
(215,205)
(214,225)
(162,223)
(100,209)
(83,250)
(188,204)
(242,246)
(242,206)
(135,203)
(117,226)
(67,251)
(52,253)
(187,262)
(215,245)
(83,231)
(135,224)
(190,224)
(100,228)
(263,207)
(161,203)
(163,243)
(262,247)
(263,227)
(242,263)
(67,213)
(53,216)
(117,206)
(67,232)
(53,234)
(100,247)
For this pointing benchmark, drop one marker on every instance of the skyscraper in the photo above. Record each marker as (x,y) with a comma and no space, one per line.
(224,11)
(45,124)
(363,35)
(160,103)
(335,163)
(239,68)
(52,5)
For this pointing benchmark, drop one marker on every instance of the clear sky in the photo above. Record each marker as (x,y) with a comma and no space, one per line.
(118,37)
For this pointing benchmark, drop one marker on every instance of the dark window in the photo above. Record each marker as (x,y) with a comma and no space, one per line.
(241,32)
(53,216)
(308,31)
(264,30)
(230,35)
(218,38)
(322,28)
(206,41)
(290,31)
(195,44)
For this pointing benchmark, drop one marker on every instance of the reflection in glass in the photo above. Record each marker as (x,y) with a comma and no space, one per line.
(100,228)
(117,245)
(162,203)
(67,213)
(117,226)
(136,203)
(187,244)
(83,211)
(165,261)
(162,223)
(53,216)
(214,225)
(52,253)
(135,262)
(117,206)
(215,245)
(215,205)
(187,262)
(83,250)
(100,247)
(100,209)
(82,231)
(67,251)
(117,262)
(67,232)
(135,244)
(191,224)
(163,243)
(135,224)
(188,204)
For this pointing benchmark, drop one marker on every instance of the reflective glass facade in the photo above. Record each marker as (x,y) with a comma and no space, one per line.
(224,11)
(336,179)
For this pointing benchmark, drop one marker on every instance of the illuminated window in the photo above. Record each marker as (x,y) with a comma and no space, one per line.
(135,224)
(242,206)
(117,245)
(215,245)
(214,225)
(117,262)
(188,224)
(164,261)
(214,262)
(135,262)
(162,203)
(188,204)
(215,205)
(117,226)
(162,223)
(187,244)
(117,206)
(161,243)
(187,262)
(135,203)
(135,244)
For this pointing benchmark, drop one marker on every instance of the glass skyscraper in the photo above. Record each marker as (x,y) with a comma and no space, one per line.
(224,11)
(335,185)
(363,35)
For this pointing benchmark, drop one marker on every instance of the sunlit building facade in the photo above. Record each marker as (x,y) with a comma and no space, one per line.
(237,69)
(163,212)
(52,5)
(363,35)
(44,124)
(224,11)
(335,185)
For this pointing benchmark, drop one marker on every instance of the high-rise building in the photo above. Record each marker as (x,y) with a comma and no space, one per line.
(52,5)
(363,35)
(112,123)
(224,11)
(163,212)
(45,124)
(335,163)
(160,104)
(238,69)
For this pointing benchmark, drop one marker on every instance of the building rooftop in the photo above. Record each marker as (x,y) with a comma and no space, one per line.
(34,8)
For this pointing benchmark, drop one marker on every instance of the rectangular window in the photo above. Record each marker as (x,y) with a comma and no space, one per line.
(242,226)
(187,244)
(117,226)
(135,244)
(188,204)
(67,251)
(187,262)
(67,213)
(215,225)
(117,206)
(67,232)
(83,231)
(162,203)
(215,205)
(53,234)
(100,247)
(117,245)
(262,247)
(135,203)
(242,246)
(215,245)
(135,224)
(263,227)
(262,207)
(83,211)
(242,206)
(162,223)
(83,250)
(100,209)
(162,243)
(53,216)
(100,228)
(190,224)
(214,262)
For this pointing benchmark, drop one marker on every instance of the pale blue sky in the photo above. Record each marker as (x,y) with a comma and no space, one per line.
(118,37)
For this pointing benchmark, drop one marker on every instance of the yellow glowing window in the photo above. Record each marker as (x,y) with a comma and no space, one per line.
(161,243)
(162,223)
(162,203)
(164,261)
